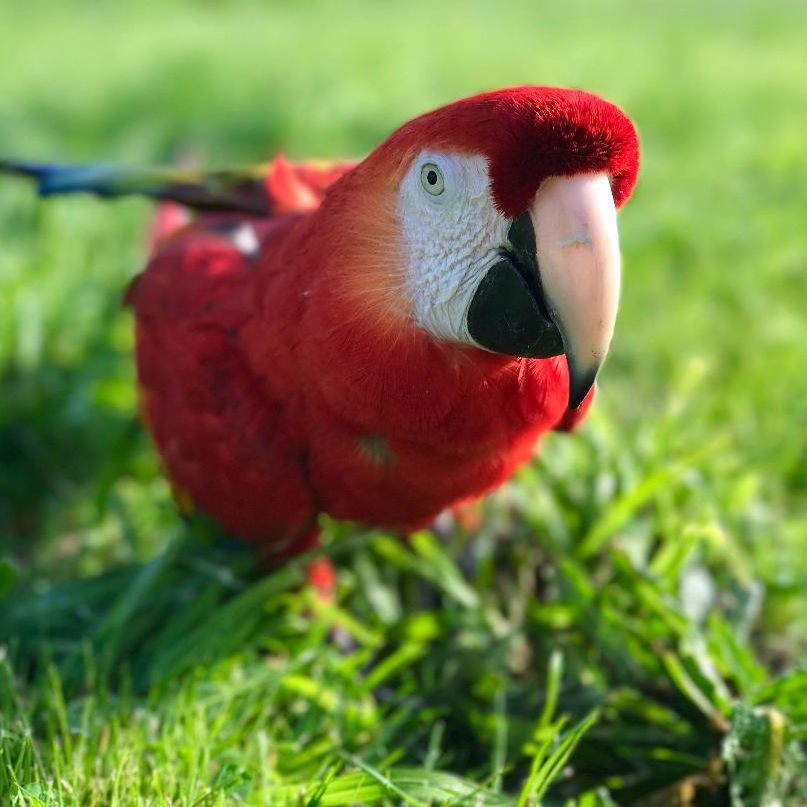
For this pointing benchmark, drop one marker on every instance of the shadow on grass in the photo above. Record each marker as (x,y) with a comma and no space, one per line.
(140,624)
(56,448)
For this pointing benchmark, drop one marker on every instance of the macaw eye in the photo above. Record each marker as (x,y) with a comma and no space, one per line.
(431,177)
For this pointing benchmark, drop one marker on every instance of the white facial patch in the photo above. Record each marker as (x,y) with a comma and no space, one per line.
(452,235)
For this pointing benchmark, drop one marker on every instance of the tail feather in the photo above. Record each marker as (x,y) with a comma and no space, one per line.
(241,190)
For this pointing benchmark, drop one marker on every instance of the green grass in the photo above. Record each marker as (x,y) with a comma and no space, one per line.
(628,625)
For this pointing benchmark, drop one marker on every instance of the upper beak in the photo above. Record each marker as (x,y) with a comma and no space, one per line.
(577,247)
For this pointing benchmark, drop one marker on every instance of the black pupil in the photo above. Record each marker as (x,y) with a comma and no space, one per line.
(431,177)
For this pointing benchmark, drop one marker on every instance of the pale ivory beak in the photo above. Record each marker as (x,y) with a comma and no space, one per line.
(577,247)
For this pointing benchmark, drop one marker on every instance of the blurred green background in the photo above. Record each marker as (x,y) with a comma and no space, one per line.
(699,434)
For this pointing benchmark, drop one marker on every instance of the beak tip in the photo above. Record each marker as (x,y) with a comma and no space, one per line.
(581,380)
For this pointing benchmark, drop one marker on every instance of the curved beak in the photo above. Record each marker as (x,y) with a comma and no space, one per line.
(577,247)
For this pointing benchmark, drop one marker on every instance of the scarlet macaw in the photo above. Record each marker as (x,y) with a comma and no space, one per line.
(379,340)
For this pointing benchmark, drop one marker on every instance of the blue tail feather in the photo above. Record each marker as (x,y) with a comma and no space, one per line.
(241,190)
(52,178)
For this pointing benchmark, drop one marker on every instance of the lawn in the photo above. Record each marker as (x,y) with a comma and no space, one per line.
(628,624)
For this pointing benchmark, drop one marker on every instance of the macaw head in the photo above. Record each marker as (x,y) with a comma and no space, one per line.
(501,214)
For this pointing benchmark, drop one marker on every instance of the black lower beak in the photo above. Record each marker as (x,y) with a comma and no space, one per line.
(508,313)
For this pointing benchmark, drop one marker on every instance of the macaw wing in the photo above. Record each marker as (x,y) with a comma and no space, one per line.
(266,189)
